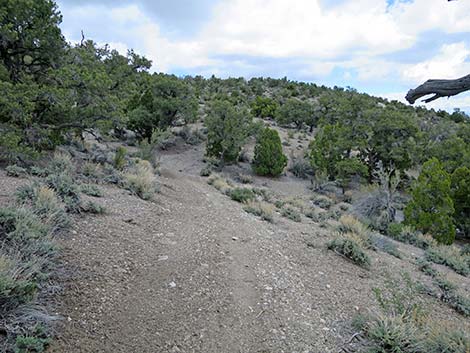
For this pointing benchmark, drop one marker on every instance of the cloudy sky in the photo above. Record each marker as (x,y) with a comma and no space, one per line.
(382,47)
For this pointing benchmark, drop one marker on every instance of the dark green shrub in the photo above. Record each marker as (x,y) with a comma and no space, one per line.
(242,195)
(460,193)
(227,129)
(350,249)
(269,158)
(264,107)
(431,208)
(26,344)
(395,230)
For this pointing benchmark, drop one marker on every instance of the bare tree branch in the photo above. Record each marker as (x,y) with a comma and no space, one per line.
(440,88)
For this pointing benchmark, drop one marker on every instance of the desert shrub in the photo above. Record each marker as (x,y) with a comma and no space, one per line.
(30,344)
(45,203)
(61,163)
(112,176)
(351,250)
(451,297)
(191,137)
(426,267)
(407,234)
(301,168)
(91,170)
(141,180)
(120,158)
(220,184)
(465,250)
(17,283)
(93,207)
(269,158)
(66,189)
(431,208)
(91,190)
(402,325)
(355,229)
(381,243)
(449,256)
(291,213)
(15,171)
(316,214)
(261,209)
(38,171)
(242,195)
(245,179)
(322,201)
(206,171)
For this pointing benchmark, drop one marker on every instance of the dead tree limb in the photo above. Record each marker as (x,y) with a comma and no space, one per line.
(440,88)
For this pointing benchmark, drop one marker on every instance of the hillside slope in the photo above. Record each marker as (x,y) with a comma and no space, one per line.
(193,272)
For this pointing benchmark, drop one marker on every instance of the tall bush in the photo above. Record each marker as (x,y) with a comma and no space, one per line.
(269,158)
(431,207)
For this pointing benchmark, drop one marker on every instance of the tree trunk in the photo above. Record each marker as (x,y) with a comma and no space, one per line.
(440,88)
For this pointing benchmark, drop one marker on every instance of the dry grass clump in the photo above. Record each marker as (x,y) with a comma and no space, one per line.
(261,209)
(220,184)
(355,229)
(141,180)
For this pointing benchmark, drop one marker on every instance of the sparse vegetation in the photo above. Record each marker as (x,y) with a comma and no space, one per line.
(404,326)
(291,213)
(242,195)
(451,257)
(261,209)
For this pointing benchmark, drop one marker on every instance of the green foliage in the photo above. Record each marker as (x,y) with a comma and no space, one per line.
(227,130)
(163,100)
(450,296)
(120,158)
(297,112)
(31,38)
(328,149)
(242,195)
(269,158)
(26,344)
(264,107)
(460,193)
(431,208)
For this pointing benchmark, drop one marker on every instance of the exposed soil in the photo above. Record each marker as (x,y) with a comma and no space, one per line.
(192,272)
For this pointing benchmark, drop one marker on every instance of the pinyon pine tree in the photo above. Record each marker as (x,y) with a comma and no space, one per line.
(269,158)
(431,208)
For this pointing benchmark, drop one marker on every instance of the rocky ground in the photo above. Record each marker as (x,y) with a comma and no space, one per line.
(193,272)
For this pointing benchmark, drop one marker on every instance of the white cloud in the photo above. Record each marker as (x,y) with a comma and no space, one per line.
(451,62)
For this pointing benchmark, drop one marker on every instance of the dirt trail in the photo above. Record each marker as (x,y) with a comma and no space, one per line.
(193,272)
